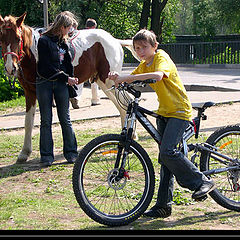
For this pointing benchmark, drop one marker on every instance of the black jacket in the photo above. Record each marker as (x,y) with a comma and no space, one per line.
(49,62)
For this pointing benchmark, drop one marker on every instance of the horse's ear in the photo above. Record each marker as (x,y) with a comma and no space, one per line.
(20,20)
(1,21)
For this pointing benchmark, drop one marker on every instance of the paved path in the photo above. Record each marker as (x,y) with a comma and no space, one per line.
(207,77)
(200,83)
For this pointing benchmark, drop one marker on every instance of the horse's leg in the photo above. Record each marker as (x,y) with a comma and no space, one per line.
(29,121)
(95,96)
(111,95)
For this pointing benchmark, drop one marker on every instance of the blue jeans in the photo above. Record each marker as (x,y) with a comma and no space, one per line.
(173,162)
(45,92)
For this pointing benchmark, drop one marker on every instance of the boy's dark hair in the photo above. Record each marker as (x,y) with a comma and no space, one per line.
(145,35)
(91,23)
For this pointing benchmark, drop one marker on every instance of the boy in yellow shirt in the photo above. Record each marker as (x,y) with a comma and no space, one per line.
(175,111)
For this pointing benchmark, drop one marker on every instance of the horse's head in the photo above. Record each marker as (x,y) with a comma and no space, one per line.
(12,42)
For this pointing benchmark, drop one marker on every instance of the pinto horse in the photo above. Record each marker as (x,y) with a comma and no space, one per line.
(95,53)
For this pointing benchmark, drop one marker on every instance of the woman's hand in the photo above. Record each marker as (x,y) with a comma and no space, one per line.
(72,81)
(115,77)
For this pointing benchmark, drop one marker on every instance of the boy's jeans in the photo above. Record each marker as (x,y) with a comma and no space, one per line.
(173,162)
(45,92)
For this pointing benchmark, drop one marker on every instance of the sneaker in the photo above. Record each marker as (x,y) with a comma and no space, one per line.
(46,163)
(72,160)
(158,212)
(205,188)
(74,103)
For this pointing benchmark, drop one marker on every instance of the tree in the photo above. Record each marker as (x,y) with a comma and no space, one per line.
(122,18)
(156,18)
(229,15)
(145,14)
(18,7)
(157,15)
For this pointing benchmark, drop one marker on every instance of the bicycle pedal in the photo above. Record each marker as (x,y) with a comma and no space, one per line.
(201,199)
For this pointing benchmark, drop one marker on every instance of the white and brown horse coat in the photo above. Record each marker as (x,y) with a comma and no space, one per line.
(95,53)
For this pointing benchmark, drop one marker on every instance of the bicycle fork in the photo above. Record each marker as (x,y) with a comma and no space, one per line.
(124,145)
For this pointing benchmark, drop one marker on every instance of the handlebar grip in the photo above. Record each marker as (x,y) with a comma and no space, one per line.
(150,81)
(147,81)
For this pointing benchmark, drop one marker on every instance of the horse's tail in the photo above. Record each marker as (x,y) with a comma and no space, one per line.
(129,45)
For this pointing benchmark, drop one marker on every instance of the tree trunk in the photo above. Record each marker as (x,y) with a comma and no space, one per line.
(145,14)
(156,23)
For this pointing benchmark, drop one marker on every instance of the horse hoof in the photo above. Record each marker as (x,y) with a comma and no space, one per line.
(22,158)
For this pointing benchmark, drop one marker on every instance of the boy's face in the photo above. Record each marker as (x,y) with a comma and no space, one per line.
(145,50)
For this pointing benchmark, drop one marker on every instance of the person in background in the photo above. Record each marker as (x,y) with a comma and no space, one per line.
(55,71)
(90,24)
(175,112)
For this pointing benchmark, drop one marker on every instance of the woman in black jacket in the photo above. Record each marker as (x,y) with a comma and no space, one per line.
(55,72)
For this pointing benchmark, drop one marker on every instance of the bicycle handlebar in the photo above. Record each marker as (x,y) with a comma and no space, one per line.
(142,83)
(137,83)
(124,100)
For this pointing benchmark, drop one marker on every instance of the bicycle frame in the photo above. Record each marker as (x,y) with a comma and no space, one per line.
(136,112)
(127,177)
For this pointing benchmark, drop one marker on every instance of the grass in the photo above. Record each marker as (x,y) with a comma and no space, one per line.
(42,198)
(36,198)
(13,104)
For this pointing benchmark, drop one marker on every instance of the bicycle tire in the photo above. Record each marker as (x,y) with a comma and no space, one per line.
(227,193)
(103,201)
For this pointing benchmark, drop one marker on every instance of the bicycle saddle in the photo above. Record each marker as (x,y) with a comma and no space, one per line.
(202,105)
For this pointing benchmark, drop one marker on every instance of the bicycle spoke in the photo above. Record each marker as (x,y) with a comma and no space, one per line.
(127,192)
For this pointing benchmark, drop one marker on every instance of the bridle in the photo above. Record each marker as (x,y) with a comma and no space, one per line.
(18,55)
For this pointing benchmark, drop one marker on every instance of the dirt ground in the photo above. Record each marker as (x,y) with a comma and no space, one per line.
(217,116)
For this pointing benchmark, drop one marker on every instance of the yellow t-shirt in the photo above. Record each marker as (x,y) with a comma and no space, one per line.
(172,96)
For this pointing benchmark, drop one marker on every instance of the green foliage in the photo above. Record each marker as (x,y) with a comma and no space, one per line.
(229,15)
(122,17)
(228,56)
(18,7)
(6,92)
(207,17)
(169,24)
(204,18)
(119,17)
(121,20)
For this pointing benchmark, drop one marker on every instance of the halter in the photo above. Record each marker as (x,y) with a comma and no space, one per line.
(19,56)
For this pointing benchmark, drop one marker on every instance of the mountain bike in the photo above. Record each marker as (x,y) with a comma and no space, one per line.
(113,176)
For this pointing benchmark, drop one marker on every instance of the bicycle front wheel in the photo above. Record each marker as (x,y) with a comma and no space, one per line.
(103,198)
(227,142)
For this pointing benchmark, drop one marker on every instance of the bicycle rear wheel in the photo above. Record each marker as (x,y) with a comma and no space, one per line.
(103,199)
(227,141)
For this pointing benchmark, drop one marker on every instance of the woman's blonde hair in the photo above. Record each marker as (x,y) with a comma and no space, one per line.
(146,35)
(64,19)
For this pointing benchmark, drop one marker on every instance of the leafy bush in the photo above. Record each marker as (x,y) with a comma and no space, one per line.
(6,92)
